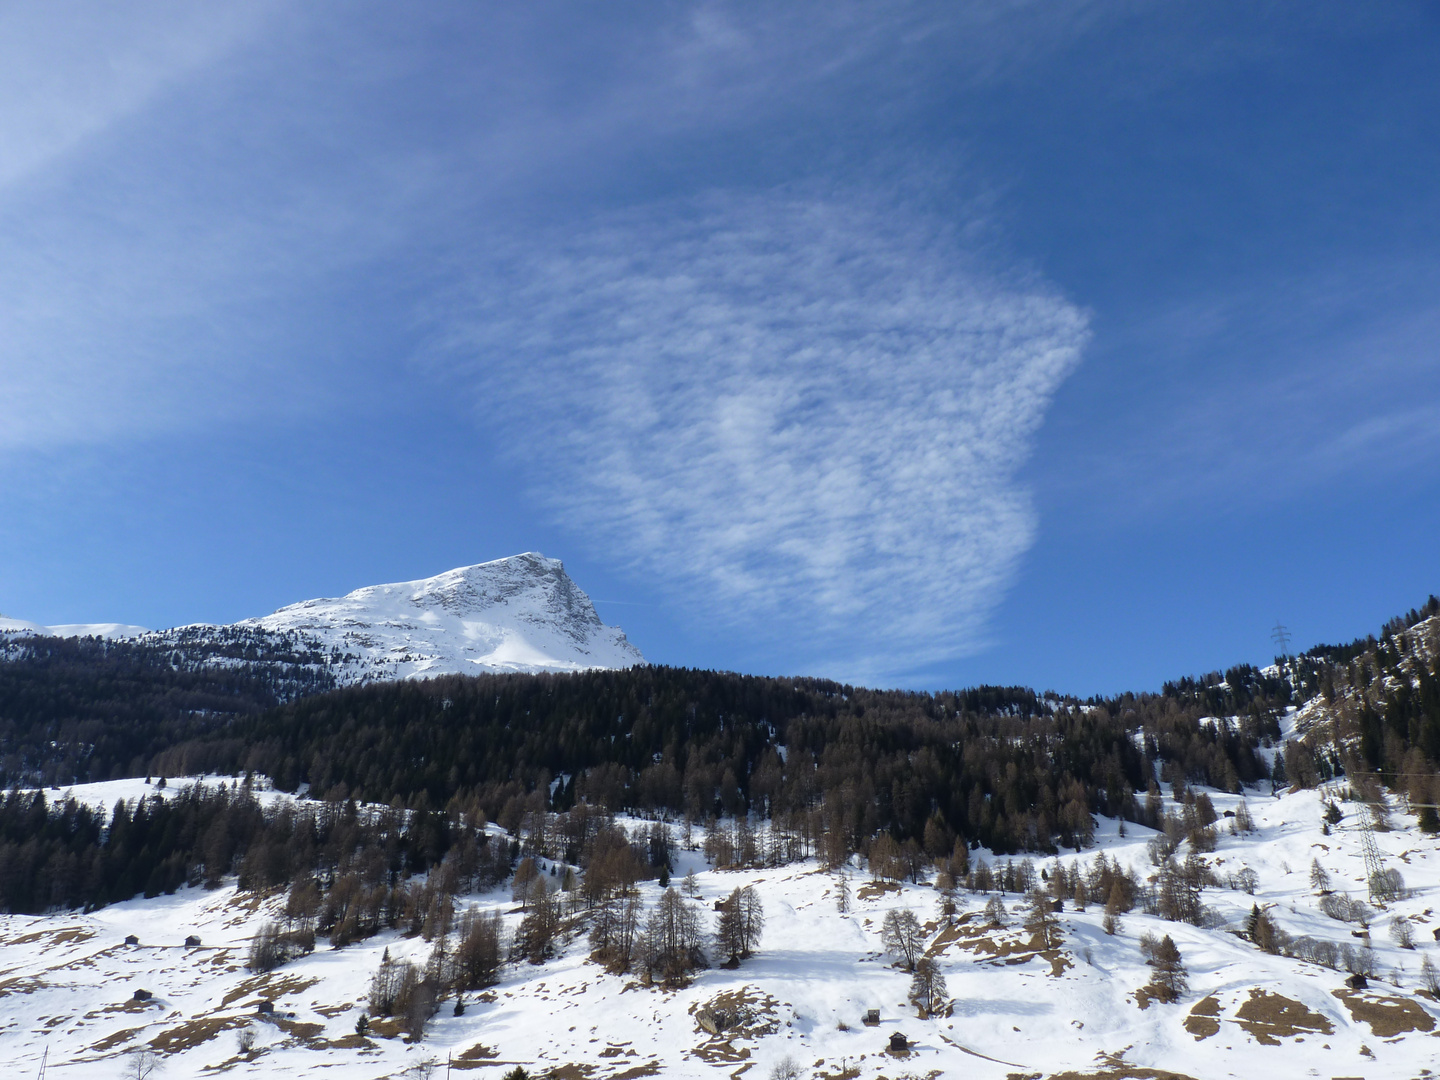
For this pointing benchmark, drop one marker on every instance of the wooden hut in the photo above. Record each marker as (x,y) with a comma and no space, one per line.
(1357,982)
(872,1018)
(899,1044)
(131,939)
(192,942)
(141,995)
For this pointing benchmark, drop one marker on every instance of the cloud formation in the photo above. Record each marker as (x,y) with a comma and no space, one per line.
(804,415)
(189,195)
(69,70)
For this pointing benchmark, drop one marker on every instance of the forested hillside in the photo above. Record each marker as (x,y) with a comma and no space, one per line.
(483,852)
(74,710)
(997,765)
(832,766)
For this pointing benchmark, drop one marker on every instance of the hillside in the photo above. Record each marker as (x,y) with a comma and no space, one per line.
(92,702)
(1045,845)
(1012,1006)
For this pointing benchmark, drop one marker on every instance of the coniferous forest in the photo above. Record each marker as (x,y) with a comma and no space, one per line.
(832,769)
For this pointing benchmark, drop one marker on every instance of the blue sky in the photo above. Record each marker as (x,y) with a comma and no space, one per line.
(1067,344)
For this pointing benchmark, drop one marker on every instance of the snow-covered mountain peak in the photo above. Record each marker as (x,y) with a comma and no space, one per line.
(522,613)
(534,588)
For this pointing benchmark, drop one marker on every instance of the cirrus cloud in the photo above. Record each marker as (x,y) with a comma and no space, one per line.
(803,415)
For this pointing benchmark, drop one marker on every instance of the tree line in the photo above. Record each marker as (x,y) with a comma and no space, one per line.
(80,710)
(1001,767)
(779,768)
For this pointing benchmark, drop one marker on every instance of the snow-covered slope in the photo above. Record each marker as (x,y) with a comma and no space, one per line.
(521,614)
(67,982)
(109,630)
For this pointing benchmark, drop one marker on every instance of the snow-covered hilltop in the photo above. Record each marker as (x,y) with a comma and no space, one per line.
(110,631)
(520,614)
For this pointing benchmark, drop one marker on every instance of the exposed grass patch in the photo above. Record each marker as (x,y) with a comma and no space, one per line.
(57,937)
(386,1027)
(650,1068)
(1060,961)
(345,1042)
(114,1039)
(298,1029)
(1115,1068)
(748,1014)
(192,1034)
(1272,1017)
(128,1006)
(1204,1018)
(956,931)
(267,986)
(873,890)
(1124,1072)
(20,984)
(994,945)
(1387,1016)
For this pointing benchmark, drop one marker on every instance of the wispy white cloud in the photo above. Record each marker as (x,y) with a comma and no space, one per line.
(187,192)
(68,70)
(804,414)
(107,270)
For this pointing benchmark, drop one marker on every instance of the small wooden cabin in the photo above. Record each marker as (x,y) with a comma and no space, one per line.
(1357,982)
(267,1008)
(131,939)
(192,942)
(872,1018)
(141,995)
(899,1044)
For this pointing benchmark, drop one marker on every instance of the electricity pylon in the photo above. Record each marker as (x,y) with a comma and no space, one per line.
(1281,636)
(1382,889)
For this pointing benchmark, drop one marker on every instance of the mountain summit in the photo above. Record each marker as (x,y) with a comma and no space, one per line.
(523,613)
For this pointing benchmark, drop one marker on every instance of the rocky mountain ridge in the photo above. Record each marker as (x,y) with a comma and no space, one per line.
(519,614)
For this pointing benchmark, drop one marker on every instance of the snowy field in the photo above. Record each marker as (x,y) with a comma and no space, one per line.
(67,981)
(105,794)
